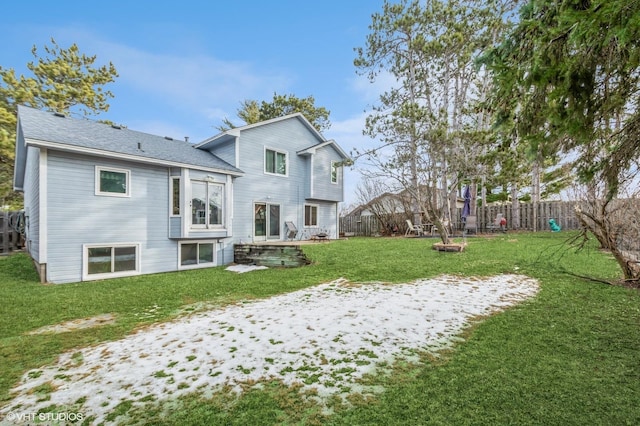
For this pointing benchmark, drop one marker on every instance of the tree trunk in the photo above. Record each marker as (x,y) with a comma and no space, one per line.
(442,230)
(535,192)
(515,208)
(600,224)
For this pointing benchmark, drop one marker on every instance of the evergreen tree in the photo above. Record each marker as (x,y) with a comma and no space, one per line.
(63,80)
(252,112)
(568,76)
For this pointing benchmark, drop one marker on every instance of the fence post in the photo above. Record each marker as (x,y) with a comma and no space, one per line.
(5,232)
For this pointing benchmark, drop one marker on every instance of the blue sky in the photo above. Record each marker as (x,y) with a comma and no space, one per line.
(186,65)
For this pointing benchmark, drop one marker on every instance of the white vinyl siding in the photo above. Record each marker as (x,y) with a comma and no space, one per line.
(77,216)
(326,175)
(291,193)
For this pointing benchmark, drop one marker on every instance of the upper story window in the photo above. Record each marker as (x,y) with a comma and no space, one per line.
(112,182)
(335,167)
(275,162)
(207,204)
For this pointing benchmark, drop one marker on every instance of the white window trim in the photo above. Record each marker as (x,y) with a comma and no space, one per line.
(198,265)
(174,178)
(207,226)
(286,161)
(112,169)
(317,207)
(334,164)
(85,262)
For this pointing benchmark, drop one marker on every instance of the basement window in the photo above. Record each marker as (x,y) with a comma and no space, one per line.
(197,254)
(110,260)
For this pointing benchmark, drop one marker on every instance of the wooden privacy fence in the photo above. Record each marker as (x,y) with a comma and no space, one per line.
(531,218)
(11,231)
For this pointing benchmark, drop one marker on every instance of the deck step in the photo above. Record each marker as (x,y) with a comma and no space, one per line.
(287,256)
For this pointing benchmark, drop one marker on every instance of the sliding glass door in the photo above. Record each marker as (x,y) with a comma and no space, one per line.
(266,219)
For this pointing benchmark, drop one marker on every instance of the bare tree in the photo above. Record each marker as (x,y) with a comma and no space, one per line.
(426,125)
(388,207)
(615,223)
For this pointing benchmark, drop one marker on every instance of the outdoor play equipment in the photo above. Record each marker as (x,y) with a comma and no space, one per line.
(554,226)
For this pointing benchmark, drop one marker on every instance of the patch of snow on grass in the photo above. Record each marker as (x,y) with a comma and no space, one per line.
(325,337)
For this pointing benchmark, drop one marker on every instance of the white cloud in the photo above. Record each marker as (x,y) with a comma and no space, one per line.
(371,91)
(199,81)
(210,87)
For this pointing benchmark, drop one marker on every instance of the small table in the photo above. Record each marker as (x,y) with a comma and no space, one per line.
(320,237)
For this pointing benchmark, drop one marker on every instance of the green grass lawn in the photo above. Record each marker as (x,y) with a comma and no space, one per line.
(569,356)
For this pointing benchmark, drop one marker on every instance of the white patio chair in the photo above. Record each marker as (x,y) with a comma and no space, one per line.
(413,228)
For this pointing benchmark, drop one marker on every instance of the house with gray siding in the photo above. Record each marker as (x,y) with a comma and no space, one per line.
(104,201)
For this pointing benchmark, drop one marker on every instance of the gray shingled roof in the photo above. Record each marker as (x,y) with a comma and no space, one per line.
(82,133)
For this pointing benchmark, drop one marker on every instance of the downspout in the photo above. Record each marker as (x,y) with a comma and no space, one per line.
(300,217)
(311,186)
(340,173)
(170,197)
(337,222)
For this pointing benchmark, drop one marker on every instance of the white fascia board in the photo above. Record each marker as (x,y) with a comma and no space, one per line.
(207,142)
(312,149)
(43,208)
(236,130)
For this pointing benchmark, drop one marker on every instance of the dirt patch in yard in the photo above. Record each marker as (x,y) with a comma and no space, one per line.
(76,324)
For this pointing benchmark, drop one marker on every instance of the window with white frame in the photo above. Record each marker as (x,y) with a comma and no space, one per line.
(174,196)
(335,167)
(111,260)
(275,162)
(113,182)
(197,254)
(310,215)
(207,204)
